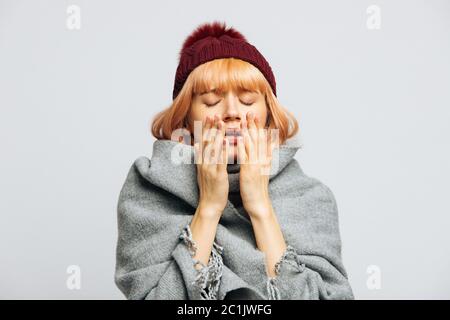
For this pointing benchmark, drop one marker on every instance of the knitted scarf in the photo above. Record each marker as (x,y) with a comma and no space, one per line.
(158,200)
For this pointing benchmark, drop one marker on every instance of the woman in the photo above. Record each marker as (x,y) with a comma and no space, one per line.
(223,210)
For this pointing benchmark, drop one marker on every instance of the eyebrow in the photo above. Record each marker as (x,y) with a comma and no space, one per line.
(248,91)
(216,91)
(212,90)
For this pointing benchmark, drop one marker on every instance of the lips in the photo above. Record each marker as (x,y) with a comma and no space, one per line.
(232,132)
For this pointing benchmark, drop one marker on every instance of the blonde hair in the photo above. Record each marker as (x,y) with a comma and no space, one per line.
(223,74)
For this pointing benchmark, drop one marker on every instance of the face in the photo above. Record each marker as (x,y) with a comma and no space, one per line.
(231,107)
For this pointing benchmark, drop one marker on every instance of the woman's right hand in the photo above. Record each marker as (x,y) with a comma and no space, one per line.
(211,158)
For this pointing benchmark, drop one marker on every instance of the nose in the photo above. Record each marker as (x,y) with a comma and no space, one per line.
(231,112)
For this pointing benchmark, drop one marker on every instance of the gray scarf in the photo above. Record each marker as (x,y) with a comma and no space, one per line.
(159,198)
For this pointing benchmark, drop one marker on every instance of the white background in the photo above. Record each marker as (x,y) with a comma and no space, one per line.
(373,108)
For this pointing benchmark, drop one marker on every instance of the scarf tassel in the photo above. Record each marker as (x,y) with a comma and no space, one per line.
(208,276)
(272,290)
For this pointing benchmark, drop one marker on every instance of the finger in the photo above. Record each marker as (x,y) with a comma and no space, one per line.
(248,143)
(245,136)
(242,157)
(205,133)
(274,142)
(262,146)
(209,143)
(269,145)
(197,155)
(218,142)
(253,132)
(274,138)
(256,120)
(212,131)
(252,126)
(259,128)
(225,151)
(206,127)
(215,127)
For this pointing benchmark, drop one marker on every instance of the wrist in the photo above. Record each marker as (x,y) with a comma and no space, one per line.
(208,212)
(261,217)
(260,210)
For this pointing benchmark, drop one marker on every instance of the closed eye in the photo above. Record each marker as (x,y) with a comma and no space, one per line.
(247,103)
(212,105)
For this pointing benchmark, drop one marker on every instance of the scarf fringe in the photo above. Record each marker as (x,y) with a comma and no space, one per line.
(208,276)
(272,290)
(290,256)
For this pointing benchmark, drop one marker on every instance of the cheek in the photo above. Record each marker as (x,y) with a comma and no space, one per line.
(204,114)
(198,117)
(261,112)
(198,112)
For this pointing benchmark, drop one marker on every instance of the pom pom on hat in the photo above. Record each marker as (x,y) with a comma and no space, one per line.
(215,29)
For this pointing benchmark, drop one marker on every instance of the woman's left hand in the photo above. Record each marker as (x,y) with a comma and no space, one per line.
(255,157)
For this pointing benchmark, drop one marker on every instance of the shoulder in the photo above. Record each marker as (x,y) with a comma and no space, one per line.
(139,167)
(136,177)
(309,187)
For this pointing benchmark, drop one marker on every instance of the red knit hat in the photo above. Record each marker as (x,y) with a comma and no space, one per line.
(214,41)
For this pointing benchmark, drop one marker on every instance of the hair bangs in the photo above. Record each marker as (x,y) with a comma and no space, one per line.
(228,74)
